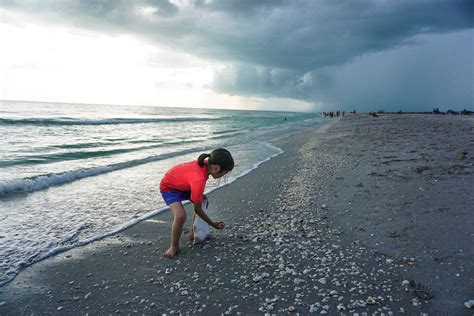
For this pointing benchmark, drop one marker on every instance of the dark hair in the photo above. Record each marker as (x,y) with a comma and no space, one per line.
(220,157)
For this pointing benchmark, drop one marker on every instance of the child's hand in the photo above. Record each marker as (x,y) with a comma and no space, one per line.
(219,225)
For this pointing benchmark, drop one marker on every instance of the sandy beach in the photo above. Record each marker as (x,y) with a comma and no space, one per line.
(362,216)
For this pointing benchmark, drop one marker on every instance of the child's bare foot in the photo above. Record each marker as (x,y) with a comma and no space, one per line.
(171,252)
(191,235)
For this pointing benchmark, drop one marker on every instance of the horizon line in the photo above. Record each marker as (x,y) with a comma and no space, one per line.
(159,106)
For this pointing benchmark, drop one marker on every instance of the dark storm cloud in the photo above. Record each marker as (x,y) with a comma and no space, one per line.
(266,82)
(242,6)
(294,48)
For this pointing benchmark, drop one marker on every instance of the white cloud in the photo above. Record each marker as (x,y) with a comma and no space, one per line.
(52,63)
(285,49)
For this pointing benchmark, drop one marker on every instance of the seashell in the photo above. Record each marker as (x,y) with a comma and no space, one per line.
(298,281)
(341,307)
(370,300)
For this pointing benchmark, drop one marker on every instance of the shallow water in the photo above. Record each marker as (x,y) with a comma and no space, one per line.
(70,173)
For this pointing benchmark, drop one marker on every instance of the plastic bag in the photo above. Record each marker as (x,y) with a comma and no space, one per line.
(201,228)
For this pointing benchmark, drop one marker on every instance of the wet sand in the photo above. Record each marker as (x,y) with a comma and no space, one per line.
(363,215)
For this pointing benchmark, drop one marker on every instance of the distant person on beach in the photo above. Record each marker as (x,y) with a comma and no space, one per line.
(187,181)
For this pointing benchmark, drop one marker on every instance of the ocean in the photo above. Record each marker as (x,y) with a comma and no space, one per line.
(74,173)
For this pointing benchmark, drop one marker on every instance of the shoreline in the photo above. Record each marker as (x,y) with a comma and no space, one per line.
(74,178)
(292,240)
(135,221)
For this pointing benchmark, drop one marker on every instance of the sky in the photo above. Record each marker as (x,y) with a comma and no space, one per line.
(294,55)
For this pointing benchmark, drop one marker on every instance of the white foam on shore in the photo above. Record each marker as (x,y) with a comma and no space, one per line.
(54,249)
(137,220)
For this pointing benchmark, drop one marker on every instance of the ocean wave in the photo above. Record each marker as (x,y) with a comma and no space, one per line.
(45,181)
(110,121)
(40,182)
(72,239)
(82,155)
(227,135)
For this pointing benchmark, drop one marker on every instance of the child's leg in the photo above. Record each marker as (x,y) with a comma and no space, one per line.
(177,229)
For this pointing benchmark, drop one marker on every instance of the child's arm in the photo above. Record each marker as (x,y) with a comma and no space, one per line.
(203,215)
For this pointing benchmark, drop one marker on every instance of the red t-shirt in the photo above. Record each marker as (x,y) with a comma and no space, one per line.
(188,176)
